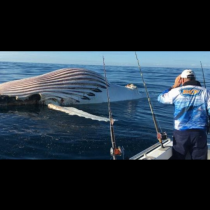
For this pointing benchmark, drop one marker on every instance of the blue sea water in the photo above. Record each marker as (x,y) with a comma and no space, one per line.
(30,132)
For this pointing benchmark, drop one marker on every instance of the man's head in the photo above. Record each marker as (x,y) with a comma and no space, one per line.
(185,76)
(188,75)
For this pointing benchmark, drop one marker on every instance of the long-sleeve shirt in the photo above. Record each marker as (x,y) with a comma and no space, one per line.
(192,105)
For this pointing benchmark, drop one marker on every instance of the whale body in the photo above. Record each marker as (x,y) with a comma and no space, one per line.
(65,87)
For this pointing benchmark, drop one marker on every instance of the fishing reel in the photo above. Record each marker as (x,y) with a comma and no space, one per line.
(162,136)
(116,151)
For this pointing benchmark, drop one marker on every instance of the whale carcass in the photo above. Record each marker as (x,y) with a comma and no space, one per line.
(65,87)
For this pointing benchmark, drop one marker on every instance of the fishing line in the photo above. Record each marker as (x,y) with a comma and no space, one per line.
(159,135)
(114,150)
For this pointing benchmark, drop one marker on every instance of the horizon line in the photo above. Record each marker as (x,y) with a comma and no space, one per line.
(96,64)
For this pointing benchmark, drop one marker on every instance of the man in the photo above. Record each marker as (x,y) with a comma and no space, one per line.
(192,110)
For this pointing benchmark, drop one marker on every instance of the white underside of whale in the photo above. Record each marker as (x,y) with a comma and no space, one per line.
(65,87)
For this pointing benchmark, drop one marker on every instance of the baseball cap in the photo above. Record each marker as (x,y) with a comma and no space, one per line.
(188,73)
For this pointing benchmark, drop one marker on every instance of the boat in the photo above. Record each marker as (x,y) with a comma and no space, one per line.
(157,152)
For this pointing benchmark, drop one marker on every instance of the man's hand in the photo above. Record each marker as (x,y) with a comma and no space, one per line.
(178,82)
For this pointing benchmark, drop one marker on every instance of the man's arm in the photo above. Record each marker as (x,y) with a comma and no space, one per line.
(166,97)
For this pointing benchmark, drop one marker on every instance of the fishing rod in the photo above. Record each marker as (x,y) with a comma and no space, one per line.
(114,150)
(160,136)
(203,75)
(208,121)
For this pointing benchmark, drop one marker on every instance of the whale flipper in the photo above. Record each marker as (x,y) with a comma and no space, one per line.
(74,111)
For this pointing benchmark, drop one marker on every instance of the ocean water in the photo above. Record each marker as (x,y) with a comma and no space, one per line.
(31,132)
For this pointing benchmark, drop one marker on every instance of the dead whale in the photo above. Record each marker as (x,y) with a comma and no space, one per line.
(65,87)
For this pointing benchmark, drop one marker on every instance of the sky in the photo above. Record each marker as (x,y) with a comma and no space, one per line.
(179,59)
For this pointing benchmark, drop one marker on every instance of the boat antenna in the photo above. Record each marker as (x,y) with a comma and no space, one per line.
(203,75)
(114,151)
(160,136)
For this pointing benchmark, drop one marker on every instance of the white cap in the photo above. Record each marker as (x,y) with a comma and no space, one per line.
(188,73)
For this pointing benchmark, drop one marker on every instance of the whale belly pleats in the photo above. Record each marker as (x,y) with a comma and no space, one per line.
(67,85)
(64,87)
